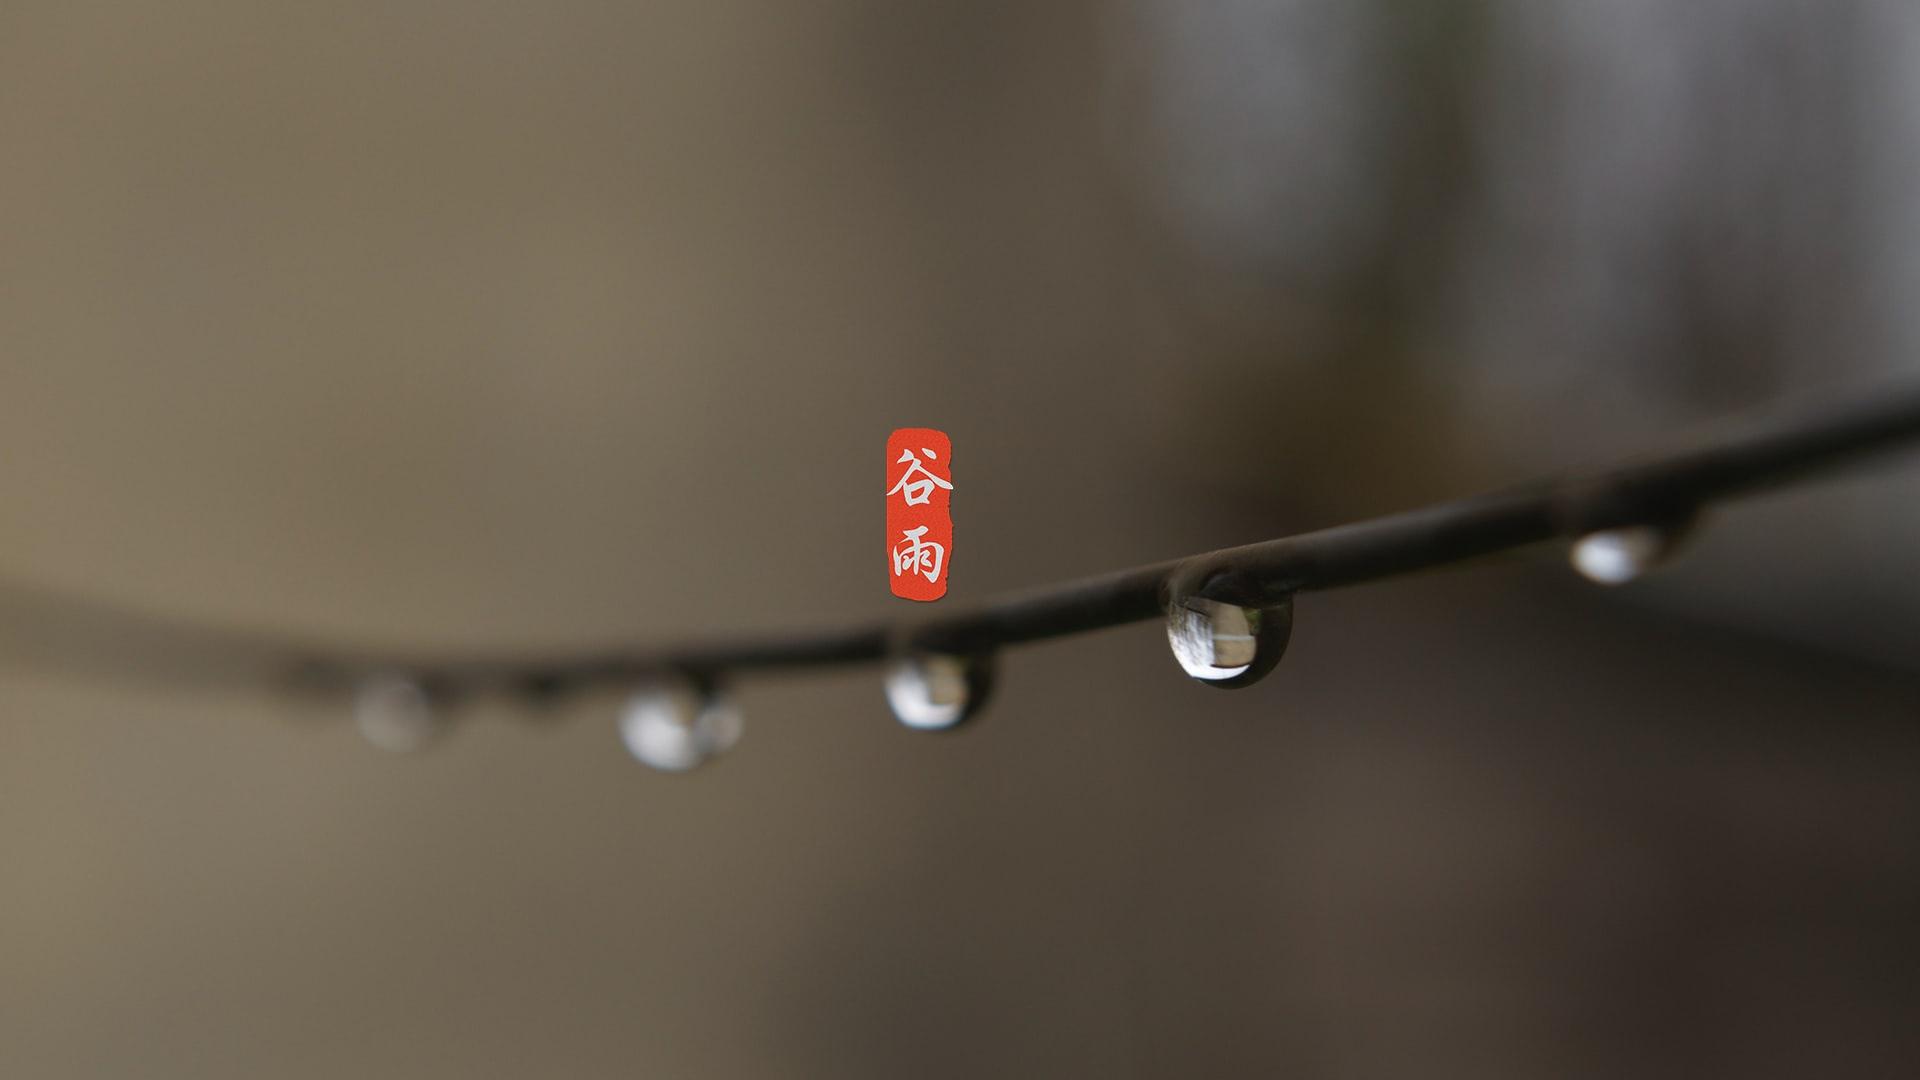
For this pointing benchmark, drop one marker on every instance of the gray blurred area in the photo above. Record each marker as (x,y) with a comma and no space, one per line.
(495,326)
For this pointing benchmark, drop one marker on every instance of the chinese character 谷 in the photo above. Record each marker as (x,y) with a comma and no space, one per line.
(918,492)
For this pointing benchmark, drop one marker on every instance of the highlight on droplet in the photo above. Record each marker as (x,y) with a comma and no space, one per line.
(937,691)
(1227,645)
(1622,555)
(395,712)
(674,727)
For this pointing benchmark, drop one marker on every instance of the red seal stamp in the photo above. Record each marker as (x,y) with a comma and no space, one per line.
(919,519)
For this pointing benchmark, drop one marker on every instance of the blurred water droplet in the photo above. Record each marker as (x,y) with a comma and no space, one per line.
(1227,645)
(936,691)
(674,728)
(395,713)
(1617,556)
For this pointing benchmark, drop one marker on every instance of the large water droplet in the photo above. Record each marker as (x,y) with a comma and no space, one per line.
(1617,556)
(937,691)
(1227,645)
(674,728)
(395,713)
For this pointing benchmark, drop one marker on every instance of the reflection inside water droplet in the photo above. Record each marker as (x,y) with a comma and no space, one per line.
(1617,556)
(935,691)
(1225,644)
(395,713)
(674,728)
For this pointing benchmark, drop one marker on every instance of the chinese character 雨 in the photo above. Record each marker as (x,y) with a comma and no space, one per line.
(918,492)
(915,556)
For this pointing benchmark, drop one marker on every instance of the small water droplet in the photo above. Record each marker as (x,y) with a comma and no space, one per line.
(674,728)
(1227,645)
(937,691)
(1617,556)
(396,713)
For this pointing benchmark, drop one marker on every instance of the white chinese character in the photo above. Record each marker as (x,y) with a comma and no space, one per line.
(914,556)
(918,492)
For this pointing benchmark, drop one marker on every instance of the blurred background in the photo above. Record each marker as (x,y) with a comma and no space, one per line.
(501,327)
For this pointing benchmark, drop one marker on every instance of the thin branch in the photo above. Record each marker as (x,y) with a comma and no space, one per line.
(1668,490)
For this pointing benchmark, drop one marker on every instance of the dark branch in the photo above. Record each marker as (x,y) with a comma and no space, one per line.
(1659,491)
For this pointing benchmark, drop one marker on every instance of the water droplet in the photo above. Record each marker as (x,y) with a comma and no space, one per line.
(1617,556)
(674,728)
(937,691)
(1227,645)
(396,713)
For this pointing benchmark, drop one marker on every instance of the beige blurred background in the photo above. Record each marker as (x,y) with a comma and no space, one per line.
(496,326)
